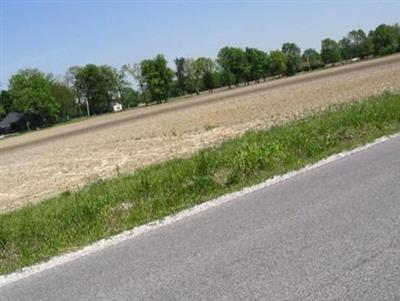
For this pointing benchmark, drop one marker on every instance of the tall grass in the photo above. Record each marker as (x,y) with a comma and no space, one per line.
(75,219)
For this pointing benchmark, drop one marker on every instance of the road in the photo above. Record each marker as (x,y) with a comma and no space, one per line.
(332,233)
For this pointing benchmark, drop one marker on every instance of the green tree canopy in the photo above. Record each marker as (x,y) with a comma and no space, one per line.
(193,79)
(129,97)
(355,45)
(157,77)
(30,91)
(385,39)
(257,61)
(227,78)
(346,49)
(6,101)
(199,68)
(181,76)
(330,51)
(397,29)
(277,62)
(135,71)
(234,65)
(98,85)
(65,98)
(211,80)
(292,52)
(311,59)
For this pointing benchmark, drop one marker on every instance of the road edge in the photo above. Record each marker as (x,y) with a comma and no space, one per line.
(137,231)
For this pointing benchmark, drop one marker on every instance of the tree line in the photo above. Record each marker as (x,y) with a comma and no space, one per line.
(90,89)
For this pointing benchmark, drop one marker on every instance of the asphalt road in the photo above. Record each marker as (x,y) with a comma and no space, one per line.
(332,233)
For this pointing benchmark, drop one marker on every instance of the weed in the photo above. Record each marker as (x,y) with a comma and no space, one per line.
(74,219)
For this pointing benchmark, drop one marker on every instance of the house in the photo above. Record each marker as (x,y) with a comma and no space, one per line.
(13,122)
(116,106)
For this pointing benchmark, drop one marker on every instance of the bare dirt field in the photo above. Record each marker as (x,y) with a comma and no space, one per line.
(43,163)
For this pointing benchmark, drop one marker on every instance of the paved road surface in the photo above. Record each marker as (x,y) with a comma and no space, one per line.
(330,234)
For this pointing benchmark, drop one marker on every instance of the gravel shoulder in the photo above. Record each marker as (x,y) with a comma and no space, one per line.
(331,233)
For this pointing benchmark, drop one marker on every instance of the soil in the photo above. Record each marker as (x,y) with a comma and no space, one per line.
(40,164)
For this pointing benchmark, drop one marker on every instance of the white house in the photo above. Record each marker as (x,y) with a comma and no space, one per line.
(116,106)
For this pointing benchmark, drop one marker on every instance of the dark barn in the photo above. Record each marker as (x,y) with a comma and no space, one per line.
(13,122)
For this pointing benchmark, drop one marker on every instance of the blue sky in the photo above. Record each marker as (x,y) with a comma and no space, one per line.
(54,35)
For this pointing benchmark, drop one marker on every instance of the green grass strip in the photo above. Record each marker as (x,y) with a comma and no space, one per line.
(74,219)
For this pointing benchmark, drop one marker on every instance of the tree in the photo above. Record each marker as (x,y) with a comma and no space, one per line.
(227,78)
(122,82)
(211,80)
(277,62)
(256,60)
(135,71)
(311,59)
(180,75)
(192,76)
(190,73)
(157,77)
(267,66)
(6,101)
(362,43)
(397,29)
(30,91)
(234,65)
(65,98)
(97,86)
(198,68)
(330,51)
(385,39)
(129,97)
(355,45)
(204,64)
(346,49)
(2,111)
(292,52)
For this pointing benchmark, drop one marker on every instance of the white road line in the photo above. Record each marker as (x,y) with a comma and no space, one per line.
(135,232)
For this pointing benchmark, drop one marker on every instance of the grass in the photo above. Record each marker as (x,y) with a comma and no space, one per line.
(74,219)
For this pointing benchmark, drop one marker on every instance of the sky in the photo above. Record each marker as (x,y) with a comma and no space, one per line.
(55,35)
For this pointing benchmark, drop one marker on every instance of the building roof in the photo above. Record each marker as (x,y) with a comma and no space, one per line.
(11,117)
